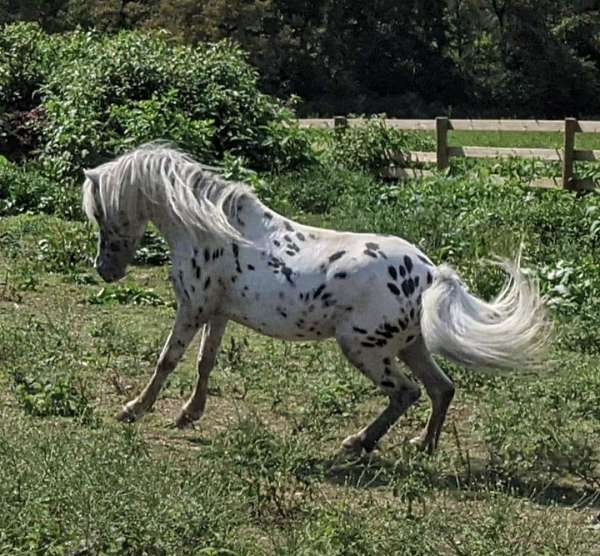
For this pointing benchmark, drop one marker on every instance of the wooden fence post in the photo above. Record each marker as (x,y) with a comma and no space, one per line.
(568,152)
(340,123)
(441,142)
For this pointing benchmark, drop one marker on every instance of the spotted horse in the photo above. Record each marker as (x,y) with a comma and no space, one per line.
(233,258)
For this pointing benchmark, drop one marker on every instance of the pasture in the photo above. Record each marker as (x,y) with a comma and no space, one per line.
(518,466)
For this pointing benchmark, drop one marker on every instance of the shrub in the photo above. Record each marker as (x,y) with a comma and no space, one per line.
(373,146)
(26,189)
(135,87)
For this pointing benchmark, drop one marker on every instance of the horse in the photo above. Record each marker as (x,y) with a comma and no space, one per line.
(386,304)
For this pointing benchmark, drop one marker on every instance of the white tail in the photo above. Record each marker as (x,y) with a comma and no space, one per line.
(510,332)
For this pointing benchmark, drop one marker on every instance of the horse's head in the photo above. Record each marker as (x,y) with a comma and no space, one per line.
(121,223)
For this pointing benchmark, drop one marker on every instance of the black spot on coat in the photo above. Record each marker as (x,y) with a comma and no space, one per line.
(393,288)
(337,255)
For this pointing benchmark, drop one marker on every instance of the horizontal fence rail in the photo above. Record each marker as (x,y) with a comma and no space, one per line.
(567,156)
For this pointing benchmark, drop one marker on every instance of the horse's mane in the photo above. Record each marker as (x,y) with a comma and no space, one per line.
(194,194)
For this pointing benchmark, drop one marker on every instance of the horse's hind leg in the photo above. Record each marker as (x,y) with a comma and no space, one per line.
(379,365)
(183,331)
(439,387)
(207,355)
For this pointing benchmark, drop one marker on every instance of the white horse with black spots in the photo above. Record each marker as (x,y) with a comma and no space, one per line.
(233,258)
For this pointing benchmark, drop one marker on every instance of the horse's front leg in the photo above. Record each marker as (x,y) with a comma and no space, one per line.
(211,340)
(184,329)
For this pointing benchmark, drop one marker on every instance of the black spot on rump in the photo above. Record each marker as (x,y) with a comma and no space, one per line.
(340,275)
(318,291)
(393,288)
(337,255)
(359,330)
(287,272)
(370,253)
(250,267)
(372,246)
(408,263)
(206,255)
(405,288)
(429,278)
(300,236)
(425,260)
(393,272)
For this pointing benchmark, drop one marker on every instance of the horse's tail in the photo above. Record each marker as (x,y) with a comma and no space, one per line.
(510,332)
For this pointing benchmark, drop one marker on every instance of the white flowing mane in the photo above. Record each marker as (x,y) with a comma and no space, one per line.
(194,194)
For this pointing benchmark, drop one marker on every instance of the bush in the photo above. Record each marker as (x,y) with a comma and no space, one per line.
(135,87)
(373,146)
(25,189)
(92,96)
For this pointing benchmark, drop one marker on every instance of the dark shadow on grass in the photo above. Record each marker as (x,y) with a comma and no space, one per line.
(389,470)
(377,471)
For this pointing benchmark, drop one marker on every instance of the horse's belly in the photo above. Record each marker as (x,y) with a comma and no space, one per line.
(284,321)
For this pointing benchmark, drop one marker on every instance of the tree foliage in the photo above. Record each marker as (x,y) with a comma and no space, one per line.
(414,58)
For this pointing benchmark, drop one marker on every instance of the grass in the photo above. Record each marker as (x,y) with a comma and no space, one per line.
(518,467)
(520,139)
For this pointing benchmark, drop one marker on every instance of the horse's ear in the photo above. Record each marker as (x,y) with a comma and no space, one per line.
(93,176)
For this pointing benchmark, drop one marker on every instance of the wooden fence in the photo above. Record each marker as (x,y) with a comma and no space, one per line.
(568,155)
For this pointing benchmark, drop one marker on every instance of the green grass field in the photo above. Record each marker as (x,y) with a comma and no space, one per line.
(517,472)
(519,139)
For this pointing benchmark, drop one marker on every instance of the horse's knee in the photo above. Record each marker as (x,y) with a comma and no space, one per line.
(406,394)
(447,394)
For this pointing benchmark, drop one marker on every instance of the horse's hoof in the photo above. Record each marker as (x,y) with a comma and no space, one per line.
(125,416)
(353,444)
(417,442)
(185,420)
(421,444)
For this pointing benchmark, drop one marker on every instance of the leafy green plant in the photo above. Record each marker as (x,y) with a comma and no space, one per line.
(372,146)
(65,249)
(126,295)
(26,189)
(142,121)
(112,91)
(51,395)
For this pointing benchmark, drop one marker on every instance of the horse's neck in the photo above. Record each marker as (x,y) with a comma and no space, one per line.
(249,221)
